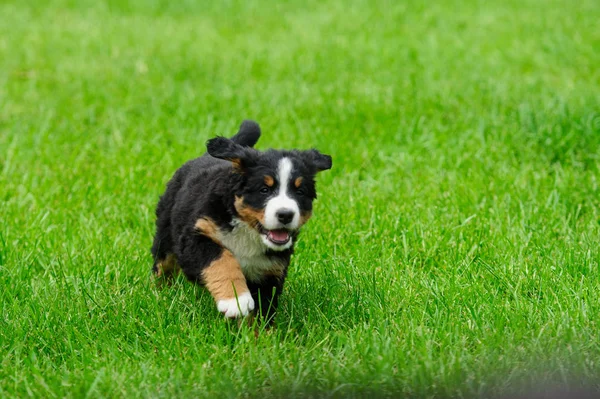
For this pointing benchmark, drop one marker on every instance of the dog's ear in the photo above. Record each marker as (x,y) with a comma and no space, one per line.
(317,160)
(224,148)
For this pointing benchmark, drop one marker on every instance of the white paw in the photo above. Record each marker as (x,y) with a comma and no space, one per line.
(236,307)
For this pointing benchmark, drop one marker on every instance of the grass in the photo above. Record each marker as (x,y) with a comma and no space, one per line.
(454,248)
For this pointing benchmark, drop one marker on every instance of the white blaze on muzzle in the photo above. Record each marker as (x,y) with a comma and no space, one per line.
(282,203)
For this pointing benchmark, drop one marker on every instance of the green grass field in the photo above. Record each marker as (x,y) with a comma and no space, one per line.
(454,247)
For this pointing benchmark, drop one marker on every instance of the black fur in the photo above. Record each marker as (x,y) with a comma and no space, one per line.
(207,187)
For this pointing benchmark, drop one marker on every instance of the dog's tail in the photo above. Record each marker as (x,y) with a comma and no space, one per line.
(248,134)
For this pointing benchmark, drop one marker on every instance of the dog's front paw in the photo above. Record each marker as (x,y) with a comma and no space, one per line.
(236,307)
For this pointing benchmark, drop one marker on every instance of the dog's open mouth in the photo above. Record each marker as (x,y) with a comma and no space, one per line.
(277,236)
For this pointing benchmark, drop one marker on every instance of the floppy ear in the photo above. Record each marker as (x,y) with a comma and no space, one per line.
(319,161)
(224,148)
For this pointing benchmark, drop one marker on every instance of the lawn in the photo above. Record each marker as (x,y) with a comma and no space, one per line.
(454,246)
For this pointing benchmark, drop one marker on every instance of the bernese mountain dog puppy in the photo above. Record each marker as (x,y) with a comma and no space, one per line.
(230,218)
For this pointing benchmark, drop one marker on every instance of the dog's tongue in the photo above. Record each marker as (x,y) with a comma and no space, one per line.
(279,235)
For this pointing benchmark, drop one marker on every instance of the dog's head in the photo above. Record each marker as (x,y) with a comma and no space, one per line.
(275,188)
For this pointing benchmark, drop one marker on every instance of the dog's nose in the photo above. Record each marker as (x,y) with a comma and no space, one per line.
(285,215)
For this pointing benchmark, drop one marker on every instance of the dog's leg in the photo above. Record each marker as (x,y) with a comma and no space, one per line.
(266,294)
(226,283)
(165,263)
(166,267)
(208,263)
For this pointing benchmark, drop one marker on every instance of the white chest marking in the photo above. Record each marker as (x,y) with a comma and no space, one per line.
(248,248)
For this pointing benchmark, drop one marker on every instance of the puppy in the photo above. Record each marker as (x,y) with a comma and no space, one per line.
(229,220)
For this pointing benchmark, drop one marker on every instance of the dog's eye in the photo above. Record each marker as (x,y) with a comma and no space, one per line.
(265,190)
(300,192)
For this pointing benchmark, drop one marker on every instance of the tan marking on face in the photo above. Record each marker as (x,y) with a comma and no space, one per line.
(167,267)
(269,181)
(298,182)
(207,227)
(248,214)
(304,216)
(224,278)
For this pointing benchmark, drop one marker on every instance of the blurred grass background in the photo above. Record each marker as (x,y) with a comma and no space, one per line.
(453,250)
